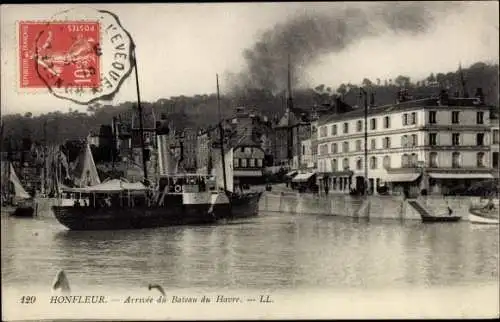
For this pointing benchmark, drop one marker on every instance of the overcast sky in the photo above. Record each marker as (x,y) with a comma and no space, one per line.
(180,47)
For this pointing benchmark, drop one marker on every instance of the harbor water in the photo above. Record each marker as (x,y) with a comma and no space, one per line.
(274,252)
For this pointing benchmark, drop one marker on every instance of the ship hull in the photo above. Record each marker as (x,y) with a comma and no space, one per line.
(244,205)
(89,218)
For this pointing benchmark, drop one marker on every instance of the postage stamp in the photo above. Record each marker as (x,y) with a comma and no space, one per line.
(81,55)
(53,52)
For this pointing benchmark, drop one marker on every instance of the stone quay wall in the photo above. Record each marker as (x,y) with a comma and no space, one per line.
(382,207)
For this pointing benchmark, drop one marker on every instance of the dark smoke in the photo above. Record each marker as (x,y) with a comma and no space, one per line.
(308,36)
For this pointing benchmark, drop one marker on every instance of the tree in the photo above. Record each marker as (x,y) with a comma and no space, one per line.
(431,78)
(28,114)
(366,82)
(378,81)
(342,90)
(320,88)
(402,81)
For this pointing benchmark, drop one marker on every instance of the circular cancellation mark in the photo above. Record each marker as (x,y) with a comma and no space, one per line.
(82,55)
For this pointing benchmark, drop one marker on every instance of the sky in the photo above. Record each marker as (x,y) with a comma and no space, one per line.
(180,47)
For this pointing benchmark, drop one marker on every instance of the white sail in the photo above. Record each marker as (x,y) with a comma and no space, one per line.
(217,171)
(19,191)
(85,170)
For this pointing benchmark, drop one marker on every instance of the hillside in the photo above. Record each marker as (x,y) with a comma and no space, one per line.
(201,110)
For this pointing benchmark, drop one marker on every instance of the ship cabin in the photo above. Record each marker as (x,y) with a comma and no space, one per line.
(186,183)
(113,193)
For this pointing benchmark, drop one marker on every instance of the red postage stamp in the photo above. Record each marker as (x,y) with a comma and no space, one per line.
(56,51)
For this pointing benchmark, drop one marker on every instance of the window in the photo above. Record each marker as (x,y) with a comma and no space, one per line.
(404,141)
(359,126)
(373,162)
(373,124)
(455,138)
(322,131)
(346,127)
(251,163)
(405,119)
(243,163)
(413,118)
(345,147)
(433,160)
(303,149)
(414,140)
(334,129)
(373,144)
(404,161)
(432,117)
(480,139)
(334,147)
(387,162)
(495,160)
(323,149)
(259,163)
(236,162)
(455,117)
(334,165)
(432,138)
(455,160)
(387,142)
(359,164)
(480,160)
(413,160)
(496,138)
(480,117)
(345,163)
(358,145)
(387,122)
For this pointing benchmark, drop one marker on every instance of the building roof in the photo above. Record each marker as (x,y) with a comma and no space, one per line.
(401,106)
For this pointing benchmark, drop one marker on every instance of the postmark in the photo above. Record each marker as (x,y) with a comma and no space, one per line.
(82,55)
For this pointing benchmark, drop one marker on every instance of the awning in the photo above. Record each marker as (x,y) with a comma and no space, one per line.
(249,173)
(302,177)
(461,175)
(291,174)
(336,174)
(401,177)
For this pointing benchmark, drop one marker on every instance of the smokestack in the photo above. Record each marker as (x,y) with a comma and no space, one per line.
(289,85)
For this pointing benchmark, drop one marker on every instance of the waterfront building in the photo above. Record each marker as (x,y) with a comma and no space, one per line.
(435,144)
(495,141)
(248,162)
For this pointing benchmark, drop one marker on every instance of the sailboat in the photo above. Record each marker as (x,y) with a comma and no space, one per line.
(242,204)
(15,200)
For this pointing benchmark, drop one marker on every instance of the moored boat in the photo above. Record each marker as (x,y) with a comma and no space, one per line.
(16,202)
(428,217)
(480,215)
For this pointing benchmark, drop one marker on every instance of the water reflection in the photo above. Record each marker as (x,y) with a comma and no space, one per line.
(272,251)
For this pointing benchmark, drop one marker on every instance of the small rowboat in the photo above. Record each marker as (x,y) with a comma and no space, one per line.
(440,218)
(482,216)
(429,217)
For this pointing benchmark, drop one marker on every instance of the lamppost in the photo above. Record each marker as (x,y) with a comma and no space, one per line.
(365,96)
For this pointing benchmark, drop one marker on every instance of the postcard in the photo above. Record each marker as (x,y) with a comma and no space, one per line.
(219,161)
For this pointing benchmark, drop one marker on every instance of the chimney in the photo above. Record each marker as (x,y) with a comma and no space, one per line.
(479,95)
(443,97)
(372,99)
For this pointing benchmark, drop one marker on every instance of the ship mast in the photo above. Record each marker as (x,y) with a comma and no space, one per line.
(221,134)
(141,126)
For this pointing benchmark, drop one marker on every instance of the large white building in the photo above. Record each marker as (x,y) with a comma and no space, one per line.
(434,144)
